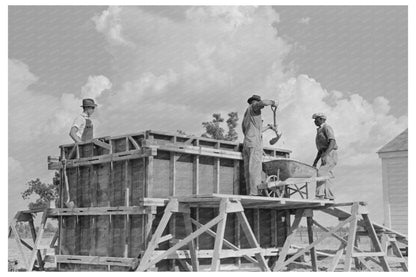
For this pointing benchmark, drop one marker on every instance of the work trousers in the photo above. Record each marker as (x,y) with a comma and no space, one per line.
(323,188)
(253,158)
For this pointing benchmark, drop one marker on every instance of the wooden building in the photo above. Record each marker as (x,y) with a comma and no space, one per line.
(394,160)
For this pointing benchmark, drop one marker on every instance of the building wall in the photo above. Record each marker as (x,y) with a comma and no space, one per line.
(395,190)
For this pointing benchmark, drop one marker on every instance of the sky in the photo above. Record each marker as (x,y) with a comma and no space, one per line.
(170,68)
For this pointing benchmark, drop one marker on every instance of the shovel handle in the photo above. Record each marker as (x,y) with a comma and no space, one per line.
(274,108)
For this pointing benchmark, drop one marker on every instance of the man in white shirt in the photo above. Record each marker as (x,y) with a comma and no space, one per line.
(82,128)
(327,153)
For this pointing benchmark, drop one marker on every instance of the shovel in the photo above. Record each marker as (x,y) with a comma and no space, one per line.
(68,203)
(274,140)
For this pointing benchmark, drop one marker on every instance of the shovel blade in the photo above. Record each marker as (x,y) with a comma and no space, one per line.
(274,140)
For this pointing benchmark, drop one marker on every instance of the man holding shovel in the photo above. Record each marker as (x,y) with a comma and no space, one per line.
(253,145)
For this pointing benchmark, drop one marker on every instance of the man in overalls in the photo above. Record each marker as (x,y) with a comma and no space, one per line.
(327,153)
(82,128)
(253,142)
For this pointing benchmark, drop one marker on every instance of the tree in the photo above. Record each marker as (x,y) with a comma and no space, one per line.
(214,130)
(45,192)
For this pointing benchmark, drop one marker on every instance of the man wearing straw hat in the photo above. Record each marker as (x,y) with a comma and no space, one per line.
(327,153)
(82,128)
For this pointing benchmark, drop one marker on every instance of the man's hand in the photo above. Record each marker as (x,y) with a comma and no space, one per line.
(274,103)
(324,159)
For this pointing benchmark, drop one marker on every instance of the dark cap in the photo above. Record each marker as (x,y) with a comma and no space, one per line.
(88,102)
(254,97)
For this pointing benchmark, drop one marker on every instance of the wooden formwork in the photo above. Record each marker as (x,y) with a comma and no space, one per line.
(121,171)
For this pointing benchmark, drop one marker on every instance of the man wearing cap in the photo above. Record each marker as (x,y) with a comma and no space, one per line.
(327,153)
(253,144)
(82,128)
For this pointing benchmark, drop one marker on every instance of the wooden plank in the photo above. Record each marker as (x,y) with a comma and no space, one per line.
(219,238)
(191,245)
(149,176)
(289,239)
(309,223)
(398,253)
(37,242)
(376,244)
(102,144)
(336,258)
(96,260)
(351,237)
(196,172)
(172,174)
(368,254)
(18,239)
(133,154)
(127,185)
(172,206)
(136,146)
(100,211)
(217,172)
(225,253)
(33,232)
(252,241)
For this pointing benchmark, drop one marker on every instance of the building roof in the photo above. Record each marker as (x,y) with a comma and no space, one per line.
(399,143)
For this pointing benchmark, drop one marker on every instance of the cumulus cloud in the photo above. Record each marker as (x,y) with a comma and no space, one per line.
(109,23)
(205,62)
(95,86)
(361,127)
(211,60)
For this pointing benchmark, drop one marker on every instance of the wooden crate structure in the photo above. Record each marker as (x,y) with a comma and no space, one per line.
(132,174)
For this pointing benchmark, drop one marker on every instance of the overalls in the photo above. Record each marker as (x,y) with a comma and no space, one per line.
(88,130)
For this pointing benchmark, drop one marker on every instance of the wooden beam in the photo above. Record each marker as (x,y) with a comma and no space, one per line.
(398,253)
(102,144)
(289,239)
(191,245)
(336,258)
(309,222)
(376,243)
(245,226)
(18,239)
(135,144)
(96,260)
(37,242)
(100,211)
(172,206)
(219,238)
(351,237)
(121,156)
(33,232)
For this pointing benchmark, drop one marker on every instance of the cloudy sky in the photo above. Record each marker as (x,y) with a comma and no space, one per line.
(170,68)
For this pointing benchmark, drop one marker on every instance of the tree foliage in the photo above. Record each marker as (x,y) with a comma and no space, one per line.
(45,192)
(214,130)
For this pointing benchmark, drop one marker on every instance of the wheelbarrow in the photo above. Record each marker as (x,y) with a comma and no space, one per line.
(286,177)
